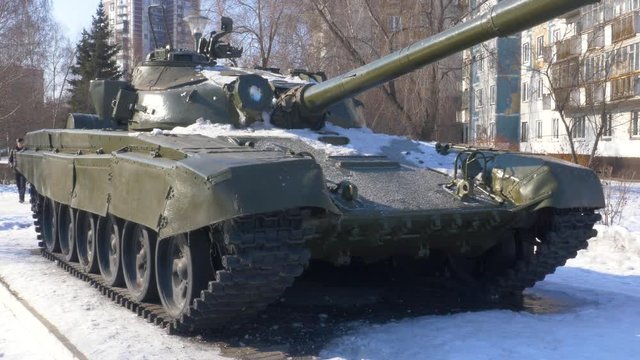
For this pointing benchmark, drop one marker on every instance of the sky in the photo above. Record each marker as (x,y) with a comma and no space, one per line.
(74,15)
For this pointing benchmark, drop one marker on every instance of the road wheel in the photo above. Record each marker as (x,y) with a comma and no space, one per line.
(495,262)
(182,268)
(49,225)
(67,233)
(86,241)
(138,261)
(108,247)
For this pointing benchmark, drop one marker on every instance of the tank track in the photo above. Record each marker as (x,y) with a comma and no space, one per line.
(566,232)
(269,254)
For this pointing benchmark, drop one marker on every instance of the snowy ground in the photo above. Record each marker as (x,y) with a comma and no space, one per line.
(599,317)
(597,314)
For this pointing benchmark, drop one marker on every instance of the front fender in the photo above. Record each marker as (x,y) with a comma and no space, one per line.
(545,182)
(201,194)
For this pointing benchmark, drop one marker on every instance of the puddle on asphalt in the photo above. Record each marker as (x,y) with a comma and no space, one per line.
(544,302)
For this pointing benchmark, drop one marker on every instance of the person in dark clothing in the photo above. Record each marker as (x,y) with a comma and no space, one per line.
(21,182)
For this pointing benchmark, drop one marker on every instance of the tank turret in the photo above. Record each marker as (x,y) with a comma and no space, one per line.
(175,87)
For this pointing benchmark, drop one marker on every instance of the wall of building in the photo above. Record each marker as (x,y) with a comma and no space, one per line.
(491,81)
(130,26)
(591,56)
(603,41)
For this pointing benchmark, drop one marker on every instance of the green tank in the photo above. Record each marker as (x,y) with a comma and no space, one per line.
(196,232)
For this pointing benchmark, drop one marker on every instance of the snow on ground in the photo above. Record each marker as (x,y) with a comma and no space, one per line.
(599,292)
(94,324)
(599,317)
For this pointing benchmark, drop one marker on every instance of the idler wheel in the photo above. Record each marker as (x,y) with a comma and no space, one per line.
(138,261)
(86,241)
(49,225)
(182,266)
(108,246)
(67,233)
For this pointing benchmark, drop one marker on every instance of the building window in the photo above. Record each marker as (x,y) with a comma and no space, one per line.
(492,94)
(525,91)
(479,132)
(526,53)
(556,35)
(540,46)
(395,23)
(578,127)
(524,132)
(607,126)
(480,62)
(556,128)
(635,127)
(479,100)
(540,89)
(539,129)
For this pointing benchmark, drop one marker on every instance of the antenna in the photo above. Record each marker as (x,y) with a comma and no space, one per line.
(157,16)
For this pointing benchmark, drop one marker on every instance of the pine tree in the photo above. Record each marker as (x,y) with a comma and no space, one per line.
(95,59)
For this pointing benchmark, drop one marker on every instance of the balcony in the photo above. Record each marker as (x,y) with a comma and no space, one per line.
(565,74)
(625,27)
(547,53)
(570,15)
(464,101)
(621,68)
(595,38)
(594,94)
(122,26)
(462,116)
(624,88)
(547,102)
(568,48)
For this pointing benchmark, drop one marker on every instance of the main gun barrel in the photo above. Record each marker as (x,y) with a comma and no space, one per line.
(505,18)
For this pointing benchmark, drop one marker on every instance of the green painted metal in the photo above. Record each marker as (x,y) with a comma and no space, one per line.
(152,181)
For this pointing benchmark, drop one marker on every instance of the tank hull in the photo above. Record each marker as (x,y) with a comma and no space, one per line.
(176,184)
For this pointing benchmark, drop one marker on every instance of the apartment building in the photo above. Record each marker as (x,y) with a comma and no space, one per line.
(547,50)
(579,88)
(130,26)
(490,107)
(593,92)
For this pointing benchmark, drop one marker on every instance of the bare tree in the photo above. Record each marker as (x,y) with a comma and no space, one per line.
(363,30)
(576,79)
(26,42)
(266,29)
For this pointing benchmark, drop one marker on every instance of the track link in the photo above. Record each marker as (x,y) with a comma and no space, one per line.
(266,253)
(565,233)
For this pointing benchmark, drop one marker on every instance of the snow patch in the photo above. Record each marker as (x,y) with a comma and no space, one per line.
(363,141)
